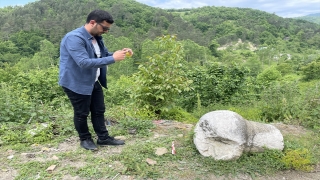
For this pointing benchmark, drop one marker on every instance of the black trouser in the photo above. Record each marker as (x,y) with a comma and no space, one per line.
(82,105)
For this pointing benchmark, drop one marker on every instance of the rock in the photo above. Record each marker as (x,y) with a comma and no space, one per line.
(161,151)
(55,157)
(45,149)
(10,157)
(120,137)
(28,155)
(132,131)
(151,162)
(225,135)
(51,168)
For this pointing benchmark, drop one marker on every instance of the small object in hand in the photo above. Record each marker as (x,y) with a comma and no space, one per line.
(128,54)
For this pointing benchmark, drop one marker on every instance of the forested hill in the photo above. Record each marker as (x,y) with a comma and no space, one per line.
(52,19)
(311,18)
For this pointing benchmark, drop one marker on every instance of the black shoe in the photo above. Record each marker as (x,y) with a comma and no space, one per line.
(88,144)
(109,141)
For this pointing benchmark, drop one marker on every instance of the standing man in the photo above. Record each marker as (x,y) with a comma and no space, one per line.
(82,72)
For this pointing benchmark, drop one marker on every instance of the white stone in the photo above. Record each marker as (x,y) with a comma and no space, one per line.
(225,135)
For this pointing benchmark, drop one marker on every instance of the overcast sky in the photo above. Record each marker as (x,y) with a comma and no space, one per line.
(283,8)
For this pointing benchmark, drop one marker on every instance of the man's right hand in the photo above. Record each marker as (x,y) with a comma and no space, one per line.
(119,55)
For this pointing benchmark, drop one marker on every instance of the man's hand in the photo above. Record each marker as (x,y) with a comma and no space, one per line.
(129,51)
(119,55)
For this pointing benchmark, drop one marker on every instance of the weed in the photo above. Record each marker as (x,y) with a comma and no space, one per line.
(298,159)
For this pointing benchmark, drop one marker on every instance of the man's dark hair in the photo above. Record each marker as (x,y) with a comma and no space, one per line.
(99,16)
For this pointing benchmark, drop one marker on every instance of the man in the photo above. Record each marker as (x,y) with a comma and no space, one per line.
(82,72)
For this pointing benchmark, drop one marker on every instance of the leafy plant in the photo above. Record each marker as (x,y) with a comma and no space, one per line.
(179,114)
(39,133)
(213,83)
(298,159)
(159,80)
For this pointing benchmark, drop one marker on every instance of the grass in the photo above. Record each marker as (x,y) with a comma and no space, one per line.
(130,160)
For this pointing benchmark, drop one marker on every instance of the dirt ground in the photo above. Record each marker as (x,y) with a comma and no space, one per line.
(71,144)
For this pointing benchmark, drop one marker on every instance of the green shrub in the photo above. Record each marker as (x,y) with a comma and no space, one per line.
(213,83)
(118,92)
(12,133)
(40,85)
(280,102)
(38,133)
(268,76)
(312,70)
(15,106)
(249,113)
(159,80)
(298,159)
(179,114)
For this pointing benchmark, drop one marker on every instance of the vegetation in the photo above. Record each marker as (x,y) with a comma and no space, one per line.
(311,18)
(186,63)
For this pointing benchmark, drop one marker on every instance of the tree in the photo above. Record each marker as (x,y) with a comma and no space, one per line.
(160,79)
(214,48)
(45,58)
(125,67)
(312,70)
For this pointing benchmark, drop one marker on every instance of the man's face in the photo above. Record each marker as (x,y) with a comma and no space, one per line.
(100,28)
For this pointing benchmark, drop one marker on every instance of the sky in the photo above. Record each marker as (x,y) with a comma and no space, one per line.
(283,8)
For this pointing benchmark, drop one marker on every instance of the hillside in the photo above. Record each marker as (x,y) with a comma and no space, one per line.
(315,18)
(138,22)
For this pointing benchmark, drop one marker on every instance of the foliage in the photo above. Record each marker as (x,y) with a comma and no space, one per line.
(298,159)
(45,58)
(247,112)
(311,18)
(215,83)
(28,42)
(179,114)
(118,91)
(40,85)
(310,104)
(18,106)
(37,133)
(280,102)
(285,68)
(159,80)
(9,53)
(269,75)
(123,68)
(312,70)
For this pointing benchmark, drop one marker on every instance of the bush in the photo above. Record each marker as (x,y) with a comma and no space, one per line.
(179,114)
(268,76)
(312,70)
(280,102)
(159,80)
(213,83)
(298,159)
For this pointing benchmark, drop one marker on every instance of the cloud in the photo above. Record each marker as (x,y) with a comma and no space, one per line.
(284,8)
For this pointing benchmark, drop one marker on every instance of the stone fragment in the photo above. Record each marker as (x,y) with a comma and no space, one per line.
(161,151)
(51,168)
(151,162)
